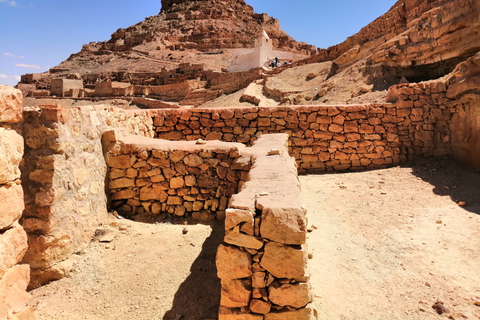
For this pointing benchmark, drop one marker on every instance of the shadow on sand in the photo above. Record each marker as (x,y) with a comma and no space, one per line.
(451,178)
(198,297)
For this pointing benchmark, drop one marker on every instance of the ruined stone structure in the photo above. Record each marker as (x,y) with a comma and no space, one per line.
(14,276)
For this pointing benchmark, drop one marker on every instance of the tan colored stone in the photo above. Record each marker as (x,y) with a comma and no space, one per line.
(238,239)
(234,217)
(11,104)
(177,156)
(258,280)
(296,295)
(11,153)
(236,314)
(26,314)
(13,291)
(285,261)
(123,194)
(260,306)
(11,204)
(204,216)
(233,263)
(193,160)
(119,162)
(121,183)
(13,245)
(284,225)
(308,313)
(153,194)
(177,183)
(235,293)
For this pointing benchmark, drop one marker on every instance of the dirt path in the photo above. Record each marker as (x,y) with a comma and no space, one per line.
(387,245)
(391,243)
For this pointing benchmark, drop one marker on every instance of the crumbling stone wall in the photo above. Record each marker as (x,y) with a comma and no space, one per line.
(322,138)
(14,277)
(64,181)
(152,177)
(262,261)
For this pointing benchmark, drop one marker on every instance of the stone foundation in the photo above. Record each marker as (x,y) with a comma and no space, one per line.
(262,262)
(14,277)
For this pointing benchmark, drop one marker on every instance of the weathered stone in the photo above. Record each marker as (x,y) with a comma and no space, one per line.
(236,314)
(177,156)
(235,293)
(233,263)
(177,183)
(123,194)
(284,261)
(193,160)
(307,313)
(26,314)
(258,280)
(284,225)
(119,162)
(234,217)
(11,204)
(11,153)
(13,245)
(203,216)
(121,183)
(11,105)
(13,291)
(238,239)
(153,194)
(260,306)
(295,295)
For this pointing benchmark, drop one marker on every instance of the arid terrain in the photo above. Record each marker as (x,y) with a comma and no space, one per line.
(384,244)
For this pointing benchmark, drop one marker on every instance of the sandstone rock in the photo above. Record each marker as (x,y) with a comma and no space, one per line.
(11,205)
(284,225)
(234,217)
(284,261)
(233,263)
(295,295)
(25,314)
(153,194)
(177,183)
(42,276)
(238,239)
(235,293)
(119,162)
(11,105)
(260,306)
(13,291)
(193,160)
(308,313)
(258,280)
(11,151)
(204,216)
(236,314)
(121,183)
(13,245)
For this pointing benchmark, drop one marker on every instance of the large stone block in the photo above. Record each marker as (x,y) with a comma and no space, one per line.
(238,239)
(11,153)
(13,245)
(235,293)
(308,313)
(11,205)
(284,225)
(234,217)
(13,291)
(284,261)
(295,295)
(11,104)
(233,263)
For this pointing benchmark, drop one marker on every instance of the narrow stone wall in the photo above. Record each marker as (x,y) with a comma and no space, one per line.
(321,138)
(152,177)
(262,262)
(64,181)
(14,277)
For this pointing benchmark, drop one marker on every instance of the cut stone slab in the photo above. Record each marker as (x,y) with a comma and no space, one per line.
(233,263)
(284,225)
(284,261)
(295,295)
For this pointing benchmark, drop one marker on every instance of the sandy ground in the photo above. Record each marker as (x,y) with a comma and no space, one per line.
(385,244)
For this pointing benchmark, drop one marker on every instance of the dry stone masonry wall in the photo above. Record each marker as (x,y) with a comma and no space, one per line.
(262,261)
(14,277)
(152,177)
(64,181)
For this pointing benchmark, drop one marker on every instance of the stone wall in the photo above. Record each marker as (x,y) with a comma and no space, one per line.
(14,277)
(262,261)
(321,138)
(64,181)
(152,177)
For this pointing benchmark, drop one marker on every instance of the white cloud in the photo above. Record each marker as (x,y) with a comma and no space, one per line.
(4,76)
(11,3)
(8,54)
(28,66)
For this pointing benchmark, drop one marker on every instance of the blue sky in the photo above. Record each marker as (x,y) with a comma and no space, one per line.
(36,35)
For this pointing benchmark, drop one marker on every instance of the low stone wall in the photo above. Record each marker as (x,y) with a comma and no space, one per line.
(14,277)
(262,261)
(321,138)
(152,177)
(64,181)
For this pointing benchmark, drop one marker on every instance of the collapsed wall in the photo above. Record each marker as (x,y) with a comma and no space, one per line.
(64,181)
(14,277)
